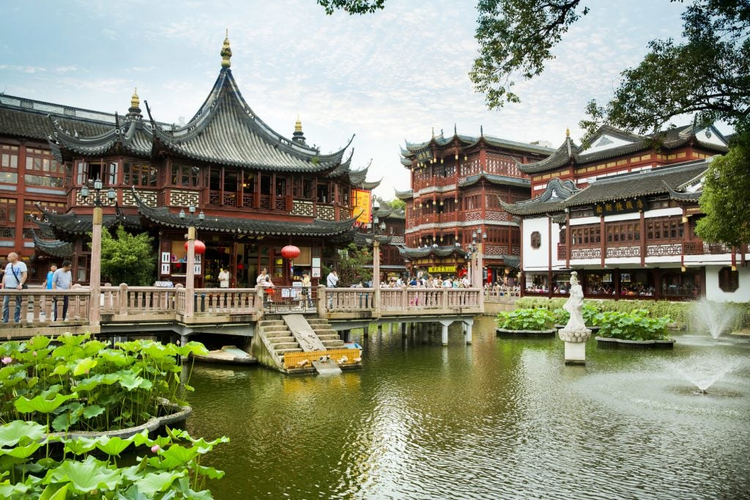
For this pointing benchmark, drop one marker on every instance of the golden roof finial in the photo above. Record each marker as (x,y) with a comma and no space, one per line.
(135,101)
(298,125)
(567,132)
(226,53)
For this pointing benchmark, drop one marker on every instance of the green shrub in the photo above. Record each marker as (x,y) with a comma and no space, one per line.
(526,319)
(78,384)
(635,325)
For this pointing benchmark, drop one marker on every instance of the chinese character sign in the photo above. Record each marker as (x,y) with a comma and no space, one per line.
(362,205)
(619,206)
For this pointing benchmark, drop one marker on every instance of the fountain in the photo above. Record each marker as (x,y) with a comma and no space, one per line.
(704,371)
(715,317)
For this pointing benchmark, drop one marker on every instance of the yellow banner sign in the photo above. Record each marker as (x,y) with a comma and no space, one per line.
(441,269)
(362,204)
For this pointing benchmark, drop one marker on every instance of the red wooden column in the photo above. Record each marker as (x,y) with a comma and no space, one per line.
(568,241)
(643,238)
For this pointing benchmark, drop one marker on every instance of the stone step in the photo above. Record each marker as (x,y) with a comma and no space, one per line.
(271,322)
(277,333)
(325,331)
(285,346)
(284,351)
(333,344)
(276,340)
(329,337)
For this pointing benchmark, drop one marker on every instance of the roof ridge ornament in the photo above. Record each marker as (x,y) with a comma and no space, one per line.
(226,53)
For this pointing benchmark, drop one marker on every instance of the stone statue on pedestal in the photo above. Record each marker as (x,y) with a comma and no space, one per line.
(575,331)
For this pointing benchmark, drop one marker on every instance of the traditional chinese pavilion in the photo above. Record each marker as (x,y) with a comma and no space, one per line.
(457,184)
(248,190)
(622,213)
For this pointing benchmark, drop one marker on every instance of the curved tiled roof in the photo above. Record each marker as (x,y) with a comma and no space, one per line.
(70,223)
(568,152)
(226,131)
(503,180)
(55,248)
(162,216)
(133,137)
(404,195)
(549,201)
(467,141)
(444,251)
(634,184)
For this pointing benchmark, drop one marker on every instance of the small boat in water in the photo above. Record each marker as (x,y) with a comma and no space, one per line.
(228,354)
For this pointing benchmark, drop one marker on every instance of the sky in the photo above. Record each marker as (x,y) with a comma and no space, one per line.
(386,78)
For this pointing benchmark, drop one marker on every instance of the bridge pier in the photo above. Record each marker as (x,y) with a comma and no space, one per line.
(467,325)
(446,324)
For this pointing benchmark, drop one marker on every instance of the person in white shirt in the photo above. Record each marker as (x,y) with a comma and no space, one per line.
(223,278)
(14,279)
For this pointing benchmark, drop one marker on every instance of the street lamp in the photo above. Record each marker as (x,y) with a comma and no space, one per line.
(95,275)
(191,222)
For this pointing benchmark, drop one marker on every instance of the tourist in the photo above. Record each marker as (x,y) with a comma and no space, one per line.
(261,277)
(62,280)
(51,273)
(333,279)
(268,289)
(223,278)
(306,289)
(14,279)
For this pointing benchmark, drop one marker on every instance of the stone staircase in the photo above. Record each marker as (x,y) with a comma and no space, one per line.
(275,338)
(325,333)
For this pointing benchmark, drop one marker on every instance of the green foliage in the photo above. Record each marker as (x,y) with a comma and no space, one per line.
(526,319)
(724,198)
(635,325)
(168,466)
(128,258)
(590,315)
(352,6)
(351,265)
(516,38)
(397,204)
(81,385)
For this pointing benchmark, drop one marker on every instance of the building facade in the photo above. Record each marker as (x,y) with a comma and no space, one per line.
(248,190)
(454,204)
(622,213)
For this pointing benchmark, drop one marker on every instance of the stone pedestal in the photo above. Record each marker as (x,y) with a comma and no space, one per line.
(575,345)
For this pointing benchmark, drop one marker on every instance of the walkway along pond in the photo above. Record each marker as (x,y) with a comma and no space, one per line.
(500,418)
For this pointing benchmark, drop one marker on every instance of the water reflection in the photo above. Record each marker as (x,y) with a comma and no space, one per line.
(496,419)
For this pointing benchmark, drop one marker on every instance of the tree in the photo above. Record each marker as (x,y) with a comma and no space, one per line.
(351,265)
(128,258)
(397,204)
(724,198)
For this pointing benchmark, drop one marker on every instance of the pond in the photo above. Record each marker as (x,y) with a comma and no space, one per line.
(501,418)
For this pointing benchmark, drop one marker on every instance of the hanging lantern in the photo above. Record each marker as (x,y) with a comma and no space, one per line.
(200,247)
(290,252)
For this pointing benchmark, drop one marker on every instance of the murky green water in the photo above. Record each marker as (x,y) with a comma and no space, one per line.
(497,419)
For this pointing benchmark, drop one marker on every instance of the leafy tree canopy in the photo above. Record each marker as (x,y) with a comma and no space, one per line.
(724,198)
(351,265)
(128,258)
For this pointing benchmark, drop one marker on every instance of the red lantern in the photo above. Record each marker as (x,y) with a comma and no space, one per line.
(290,252)
(200,247)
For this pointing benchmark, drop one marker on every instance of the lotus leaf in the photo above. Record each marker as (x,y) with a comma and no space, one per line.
(55,492)
(84,366)
(12,433)
(157,482)
(132,381)
(68,339)
(66,352)
(41,404)
(80,445)
(22,451)
(117,358)
(113,446)
(13,490)
(91,474)
(173,457)
(93,411)
(38,342)
(61,370)
(210,472)
(93,347)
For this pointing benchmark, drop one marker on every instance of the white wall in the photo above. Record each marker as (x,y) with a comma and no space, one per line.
(714,293)
(535,258)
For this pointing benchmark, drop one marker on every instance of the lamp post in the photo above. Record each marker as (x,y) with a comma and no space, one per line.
(95,275)
(190,271)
